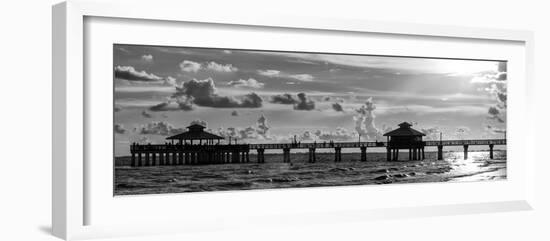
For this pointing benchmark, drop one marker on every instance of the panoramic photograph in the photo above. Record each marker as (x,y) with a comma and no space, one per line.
(190,119)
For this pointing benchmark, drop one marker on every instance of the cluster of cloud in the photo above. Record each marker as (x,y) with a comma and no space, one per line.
(278,74)
(260,131)
(249,83)
(119,129)
(204,93)
(432,133)
(301,102)
(131,74)
(365,121)
(159,128)
(495,130)
(494,82)
(192,66)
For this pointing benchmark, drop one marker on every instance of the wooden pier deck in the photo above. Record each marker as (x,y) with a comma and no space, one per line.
(177,154)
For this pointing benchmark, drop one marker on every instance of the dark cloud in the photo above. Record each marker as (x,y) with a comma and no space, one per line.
(131,74)
(204,93)
(146,114)
(235,113)
(119,129)
(285,99)
(159,128)
(337,107)
(304,103)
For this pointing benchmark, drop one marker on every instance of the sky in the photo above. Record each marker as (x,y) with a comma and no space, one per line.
(264,97)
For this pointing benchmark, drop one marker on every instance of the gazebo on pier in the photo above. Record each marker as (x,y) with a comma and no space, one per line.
(196,132)
(405,137)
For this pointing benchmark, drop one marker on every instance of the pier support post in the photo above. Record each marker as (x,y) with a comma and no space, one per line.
(147,159)
(491,150)
(410,154)
(439,152)
(235,156)
(388,154)
(396,154)
(286,155)
(260,155)
(133,162)
(154,161)
(363,153)
(423,154)
(465,152)
(247,156)
(161,158)
(338,154)
(174,158)
(415,153)
(312,158)
(180,158)
(139,159)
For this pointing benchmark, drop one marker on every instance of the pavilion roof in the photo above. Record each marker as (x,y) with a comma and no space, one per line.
(404,130)
(194,135)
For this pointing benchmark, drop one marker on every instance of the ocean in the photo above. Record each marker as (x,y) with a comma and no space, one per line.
(299,173)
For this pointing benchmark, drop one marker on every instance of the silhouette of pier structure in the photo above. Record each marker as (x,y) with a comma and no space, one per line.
(196,147)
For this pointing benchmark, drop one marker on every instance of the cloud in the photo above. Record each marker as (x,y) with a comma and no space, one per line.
(119,129)
(302,77)
(337,107)
(170,81)
(221,67)
(304,103)
(131,74)
(431,133)
(460,132)
(269,73)
(190,66)
(147,58)
(278,74)
(495,130)
(227,52)
(204,93)
(234,113)
(250,83)
(199,122)
(341,134)
(285,99)
(365,121)
(173,105)
(494,82)
(146,114)
(260,131)
(160,128)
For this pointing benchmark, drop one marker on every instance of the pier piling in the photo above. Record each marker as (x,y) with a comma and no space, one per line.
(491,151)
(465,152)
(440,152)
(337,154)
(363,153)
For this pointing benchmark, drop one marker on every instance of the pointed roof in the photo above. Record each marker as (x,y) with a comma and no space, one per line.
(404,130)
(196,132)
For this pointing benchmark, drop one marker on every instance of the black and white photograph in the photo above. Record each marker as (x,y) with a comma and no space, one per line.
(189,119)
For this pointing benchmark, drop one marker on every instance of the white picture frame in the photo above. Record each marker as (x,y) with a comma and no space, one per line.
(71,188)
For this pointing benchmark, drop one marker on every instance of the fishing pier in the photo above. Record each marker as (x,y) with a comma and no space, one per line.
(197,147)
